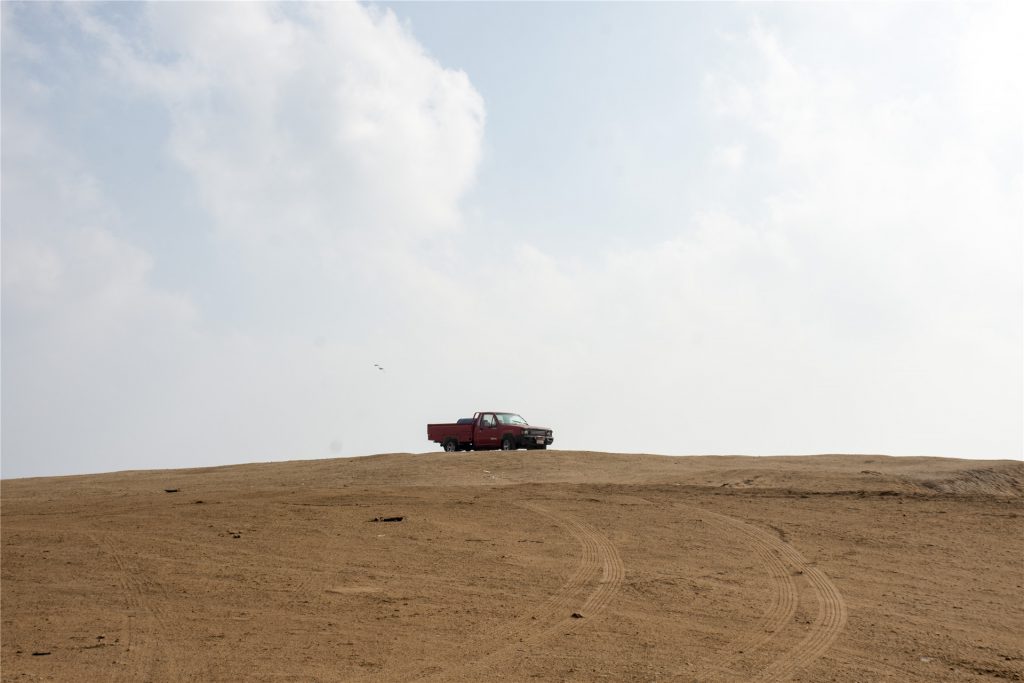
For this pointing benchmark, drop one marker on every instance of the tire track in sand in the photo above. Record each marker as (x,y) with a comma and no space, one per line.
(784,599)
(148,626)
(780,611)
(555,615)
(595,580)
(832,611)
(613,571)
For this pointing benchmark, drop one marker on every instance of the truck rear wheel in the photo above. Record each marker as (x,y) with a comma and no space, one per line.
(508,444)
(451,445)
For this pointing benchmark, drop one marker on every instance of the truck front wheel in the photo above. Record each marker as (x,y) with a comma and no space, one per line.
(451,445)
(508,444)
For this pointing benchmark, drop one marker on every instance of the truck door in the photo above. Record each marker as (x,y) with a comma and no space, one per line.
(487,431)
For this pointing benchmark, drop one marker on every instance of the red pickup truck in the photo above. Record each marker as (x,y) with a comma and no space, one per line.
(489,431)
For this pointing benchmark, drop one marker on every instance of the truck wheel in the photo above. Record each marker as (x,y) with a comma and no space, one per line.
(508,444)
(451,445)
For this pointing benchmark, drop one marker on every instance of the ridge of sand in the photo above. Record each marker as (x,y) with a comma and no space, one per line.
(715,568)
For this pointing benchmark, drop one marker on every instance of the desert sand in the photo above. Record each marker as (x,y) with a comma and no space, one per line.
(525,566)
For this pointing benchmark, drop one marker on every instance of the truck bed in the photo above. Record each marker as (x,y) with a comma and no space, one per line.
(441,432)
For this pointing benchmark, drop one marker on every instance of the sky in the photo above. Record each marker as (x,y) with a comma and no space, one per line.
(690,228)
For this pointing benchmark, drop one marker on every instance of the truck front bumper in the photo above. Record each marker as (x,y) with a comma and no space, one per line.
(534,440)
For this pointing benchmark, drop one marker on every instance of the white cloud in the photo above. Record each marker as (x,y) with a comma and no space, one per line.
(730,157)
(987,76)
(32,272)
(325,121)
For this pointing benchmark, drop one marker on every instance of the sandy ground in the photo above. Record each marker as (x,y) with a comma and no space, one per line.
(825,568)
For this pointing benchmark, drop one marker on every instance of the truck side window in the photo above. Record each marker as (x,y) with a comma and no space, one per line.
(488,421)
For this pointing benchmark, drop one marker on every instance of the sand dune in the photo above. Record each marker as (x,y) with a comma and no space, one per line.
(560,566)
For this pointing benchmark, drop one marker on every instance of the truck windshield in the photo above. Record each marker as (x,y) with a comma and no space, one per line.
(510,419)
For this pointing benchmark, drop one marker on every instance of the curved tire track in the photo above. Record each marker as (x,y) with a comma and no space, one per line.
(598,576)
(514,630)
(781,609)
(784,559)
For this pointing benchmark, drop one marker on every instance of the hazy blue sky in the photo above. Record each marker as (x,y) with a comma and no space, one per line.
(668,228)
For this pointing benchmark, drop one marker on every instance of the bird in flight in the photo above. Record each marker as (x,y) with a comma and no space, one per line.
(378,367)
